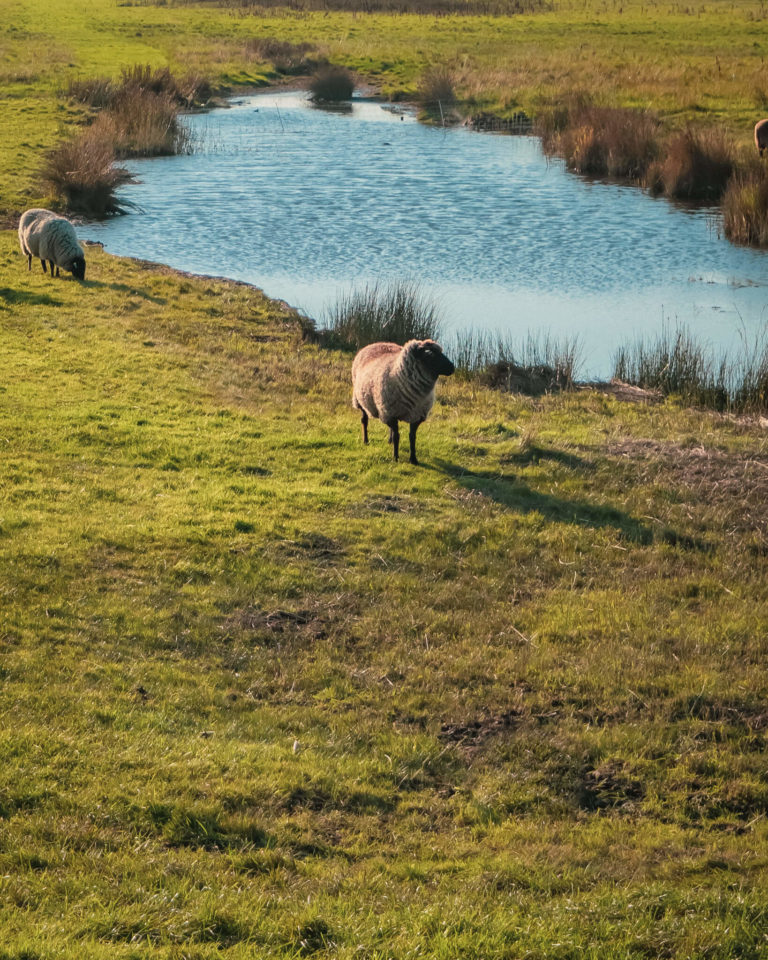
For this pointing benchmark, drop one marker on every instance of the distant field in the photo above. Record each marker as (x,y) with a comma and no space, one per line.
(264,693)
(704,64)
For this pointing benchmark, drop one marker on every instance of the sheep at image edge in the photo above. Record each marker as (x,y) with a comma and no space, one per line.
(397,383)
(50,237)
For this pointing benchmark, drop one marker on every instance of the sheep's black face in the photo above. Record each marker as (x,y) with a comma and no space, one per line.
(435,360)
(78,269)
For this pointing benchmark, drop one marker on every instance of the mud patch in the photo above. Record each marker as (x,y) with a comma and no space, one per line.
(472,734)
(269,627)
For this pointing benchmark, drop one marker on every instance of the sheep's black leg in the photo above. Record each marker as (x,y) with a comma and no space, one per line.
(412,438)
(57,269)
(29,261)
(364,421)
(394,438)
(44,267)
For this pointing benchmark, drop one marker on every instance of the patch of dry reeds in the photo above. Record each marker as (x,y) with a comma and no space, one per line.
(436,91)
(332,83)
(745,207)
(602,141)
(286,57)
(696,165)
(83,174)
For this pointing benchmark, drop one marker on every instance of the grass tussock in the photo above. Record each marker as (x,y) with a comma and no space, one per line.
(138,116)
(286,57)
(675,363)
(745,207)
(84,175)
(697,165)
(395,312)
(332,83)
(436,91)
(602,141)
(533,365)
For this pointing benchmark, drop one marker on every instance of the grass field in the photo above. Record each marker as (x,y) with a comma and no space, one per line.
(267,694)
(703,63)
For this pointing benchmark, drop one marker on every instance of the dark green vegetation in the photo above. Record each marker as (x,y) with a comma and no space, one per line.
(394,312)
(676,363)
(331,84)
(266,694)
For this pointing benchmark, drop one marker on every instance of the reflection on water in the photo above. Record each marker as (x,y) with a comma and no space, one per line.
(306,203)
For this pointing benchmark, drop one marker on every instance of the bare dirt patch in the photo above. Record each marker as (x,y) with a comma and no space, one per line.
(734,483)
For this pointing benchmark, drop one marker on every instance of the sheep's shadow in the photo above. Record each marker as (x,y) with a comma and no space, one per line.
(15,297)
(514,493)
(534,453)
(125,288)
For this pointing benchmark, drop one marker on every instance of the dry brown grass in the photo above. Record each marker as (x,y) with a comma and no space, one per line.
(82,173)
(697,165)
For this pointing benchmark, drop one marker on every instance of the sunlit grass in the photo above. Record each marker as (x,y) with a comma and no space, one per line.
(266,692)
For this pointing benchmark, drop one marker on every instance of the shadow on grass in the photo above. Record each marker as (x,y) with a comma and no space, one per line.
(15,297)
(533,454)
(515,494)
(126,288)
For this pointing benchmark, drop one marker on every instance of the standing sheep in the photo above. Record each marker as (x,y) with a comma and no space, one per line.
(45,235)
(761,136)
(397,383)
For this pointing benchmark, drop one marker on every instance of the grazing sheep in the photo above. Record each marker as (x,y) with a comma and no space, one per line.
(761,136)
(397,383)
(45,235)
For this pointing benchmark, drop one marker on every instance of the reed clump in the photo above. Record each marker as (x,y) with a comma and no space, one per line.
(745,207)
(676,364)
(696,165)
(138,116)
(395,312)
(535,365)
(332,83)
(436,91)
(602,141)
(83,174)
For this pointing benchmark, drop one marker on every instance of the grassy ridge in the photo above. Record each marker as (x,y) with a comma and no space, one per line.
(686,64)
(265,692)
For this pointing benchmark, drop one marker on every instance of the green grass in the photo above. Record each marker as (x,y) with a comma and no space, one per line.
(266,693)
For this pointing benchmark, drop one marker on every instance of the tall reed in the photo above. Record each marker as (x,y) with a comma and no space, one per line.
(675,363)
(696,165)
(394,312)
(602,141)
(745,207)
(536,364)
(83,174)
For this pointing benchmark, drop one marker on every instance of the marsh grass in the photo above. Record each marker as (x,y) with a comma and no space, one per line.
(436,93)
(331,83)
(394,312)
(286,57)
(138,116)
(696,165)
(676,363)
(602,141)
(534,364)
(745,207)
(83,174)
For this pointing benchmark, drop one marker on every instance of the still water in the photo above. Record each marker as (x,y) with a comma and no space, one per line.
(308,203)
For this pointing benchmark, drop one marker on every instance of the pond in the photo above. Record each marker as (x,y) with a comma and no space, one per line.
(308,203)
